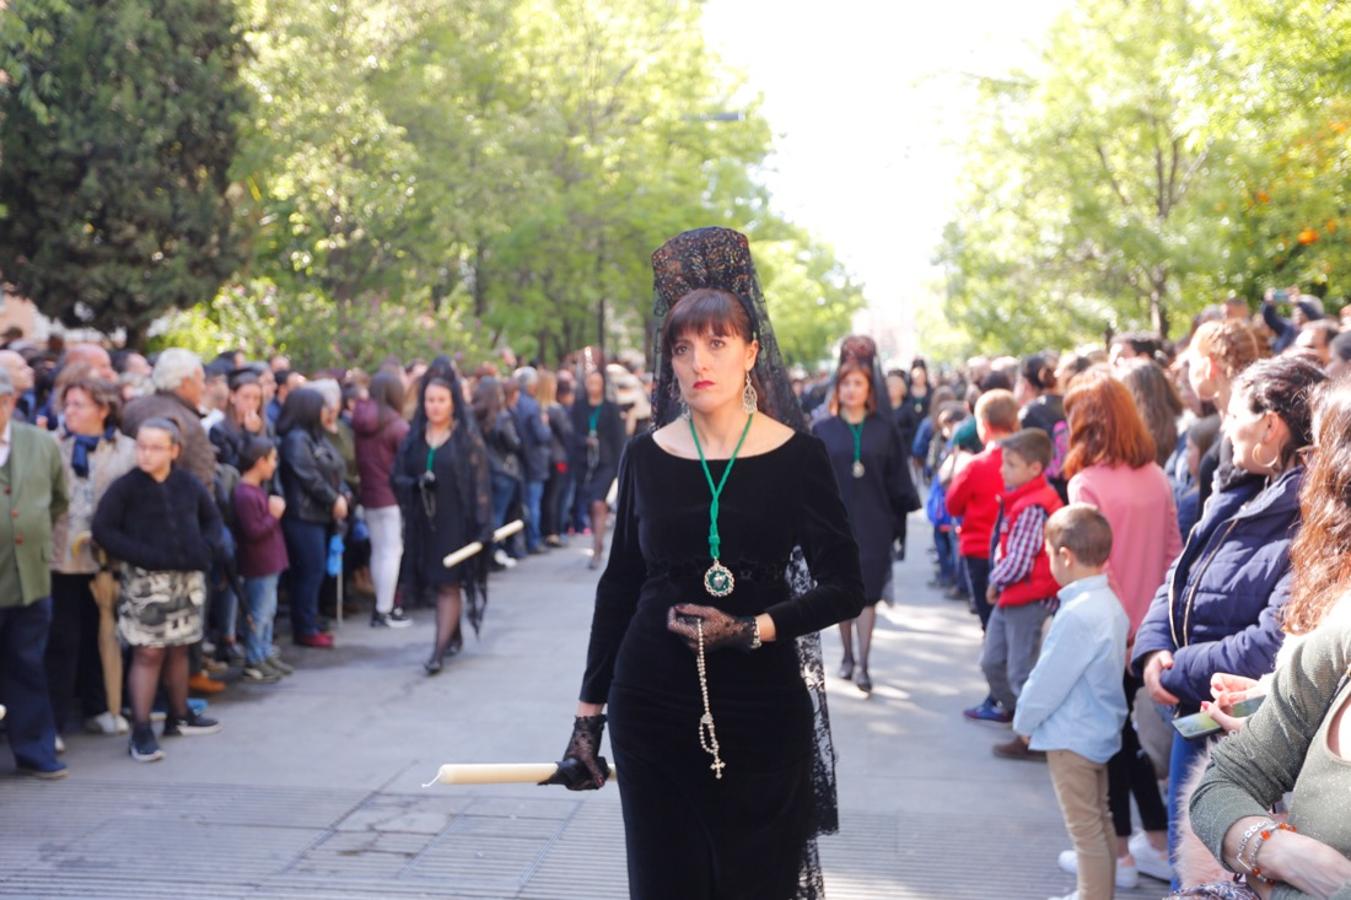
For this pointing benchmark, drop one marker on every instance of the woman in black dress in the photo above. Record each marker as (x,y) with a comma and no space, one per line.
(726,773)
(441,480)
(598,442)
(872,468)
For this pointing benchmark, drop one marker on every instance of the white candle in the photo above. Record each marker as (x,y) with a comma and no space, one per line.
(496,773)
(468,550)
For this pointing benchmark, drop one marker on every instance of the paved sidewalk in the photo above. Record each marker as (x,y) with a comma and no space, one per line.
(314,788)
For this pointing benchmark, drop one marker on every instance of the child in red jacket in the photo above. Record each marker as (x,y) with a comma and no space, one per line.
(1022,588)
(973,495)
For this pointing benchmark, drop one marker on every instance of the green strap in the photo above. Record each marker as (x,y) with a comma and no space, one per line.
(857,432)
(714,540)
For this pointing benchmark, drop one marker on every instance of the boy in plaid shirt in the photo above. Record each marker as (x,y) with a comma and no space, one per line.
(1022,589)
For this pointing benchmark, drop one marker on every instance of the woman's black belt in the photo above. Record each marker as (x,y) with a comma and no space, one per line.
(755,573)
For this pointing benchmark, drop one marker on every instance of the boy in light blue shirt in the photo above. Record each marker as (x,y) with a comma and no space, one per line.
(1072,706)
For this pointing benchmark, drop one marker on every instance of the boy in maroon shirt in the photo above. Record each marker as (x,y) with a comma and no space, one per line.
(262,556)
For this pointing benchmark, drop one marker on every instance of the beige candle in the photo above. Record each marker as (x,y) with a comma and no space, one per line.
(496,773)
(468,550)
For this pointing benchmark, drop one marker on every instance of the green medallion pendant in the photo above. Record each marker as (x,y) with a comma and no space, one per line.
(718,580)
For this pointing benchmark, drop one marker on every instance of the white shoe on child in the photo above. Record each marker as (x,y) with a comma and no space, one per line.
(1127,877)
(1149,861)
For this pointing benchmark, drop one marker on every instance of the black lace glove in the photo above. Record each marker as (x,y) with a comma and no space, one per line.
(720,629)
(581,769)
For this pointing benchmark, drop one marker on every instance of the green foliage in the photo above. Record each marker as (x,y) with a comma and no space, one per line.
(410,175)
(811,299)
(1163,157)
(507,162)
(118,123)
(258,318)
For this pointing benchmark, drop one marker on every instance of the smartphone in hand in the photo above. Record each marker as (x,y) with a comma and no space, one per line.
(1199,725)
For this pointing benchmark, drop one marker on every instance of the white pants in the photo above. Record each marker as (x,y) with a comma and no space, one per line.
(386,525)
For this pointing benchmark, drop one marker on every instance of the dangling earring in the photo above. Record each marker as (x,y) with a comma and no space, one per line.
(1271,465)
(679,398)
(750,400)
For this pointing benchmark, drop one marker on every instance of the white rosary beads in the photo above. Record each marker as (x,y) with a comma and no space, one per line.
(708,738)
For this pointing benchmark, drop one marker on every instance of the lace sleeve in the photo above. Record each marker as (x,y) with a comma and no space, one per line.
(617,592)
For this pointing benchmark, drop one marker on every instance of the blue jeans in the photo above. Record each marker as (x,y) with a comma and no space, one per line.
(534,493)
(261,596)
(224,602)
(504,491)
(947,570)
(1183,757)
(307,547)
(23,684)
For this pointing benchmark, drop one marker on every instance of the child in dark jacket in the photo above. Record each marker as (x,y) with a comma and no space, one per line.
(1022,589)
(262,555)
(159,521)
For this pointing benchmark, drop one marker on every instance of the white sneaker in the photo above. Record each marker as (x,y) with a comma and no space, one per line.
(106,723)
(60,745)
(1149,861)
(1071,896)
(502,559)
(1127,877)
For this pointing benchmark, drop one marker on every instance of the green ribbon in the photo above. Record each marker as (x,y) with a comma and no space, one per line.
(592,420)
(857,432)
(714,540)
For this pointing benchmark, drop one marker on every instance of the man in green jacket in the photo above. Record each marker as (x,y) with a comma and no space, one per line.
(32,494)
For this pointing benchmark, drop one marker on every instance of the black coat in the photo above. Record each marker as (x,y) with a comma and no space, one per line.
(312,473)
(879,501)
(158,526)
(596,471)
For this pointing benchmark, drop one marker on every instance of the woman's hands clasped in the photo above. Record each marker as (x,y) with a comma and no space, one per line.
(720,629)
(582,768)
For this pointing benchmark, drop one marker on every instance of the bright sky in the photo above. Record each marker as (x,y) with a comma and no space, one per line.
(869,102)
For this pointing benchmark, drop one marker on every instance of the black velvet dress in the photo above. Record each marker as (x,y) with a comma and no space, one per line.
(596,469)
(689,835)
(879,501)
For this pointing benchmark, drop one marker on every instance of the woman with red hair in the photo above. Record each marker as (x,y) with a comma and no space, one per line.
(1112,465)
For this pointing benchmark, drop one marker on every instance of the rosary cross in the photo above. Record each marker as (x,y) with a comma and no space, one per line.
(717,766)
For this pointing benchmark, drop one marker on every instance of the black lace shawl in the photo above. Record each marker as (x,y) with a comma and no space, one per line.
(720,258)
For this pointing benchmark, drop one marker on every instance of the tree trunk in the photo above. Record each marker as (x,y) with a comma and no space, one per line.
(1158,301)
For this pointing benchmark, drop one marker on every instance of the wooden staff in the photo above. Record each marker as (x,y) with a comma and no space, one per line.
(468,550)
(496,773)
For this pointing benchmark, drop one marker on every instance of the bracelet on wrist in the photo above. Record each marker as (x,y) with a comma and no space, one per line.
(756,643)
(1263,836)
(1246,840)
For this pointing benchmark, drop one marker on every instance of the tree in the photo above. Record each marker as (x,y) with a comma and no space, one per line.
(118,126)
(1164,156)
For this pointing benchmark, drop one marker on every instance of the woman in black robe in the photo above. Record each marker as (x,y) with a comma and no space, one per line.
(441,480)
(726,772)
(872,468)
(598,442)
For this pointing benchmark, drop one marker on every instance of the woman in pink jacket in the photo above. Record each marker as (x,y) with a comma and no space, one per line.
(1111,464)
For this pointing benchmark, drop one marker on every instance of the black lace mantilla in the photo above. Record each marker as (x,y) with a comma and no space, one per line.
(720,258)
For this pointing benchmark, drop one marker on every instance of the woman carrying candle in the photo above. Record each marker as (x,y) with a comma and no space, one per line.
(719,734)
